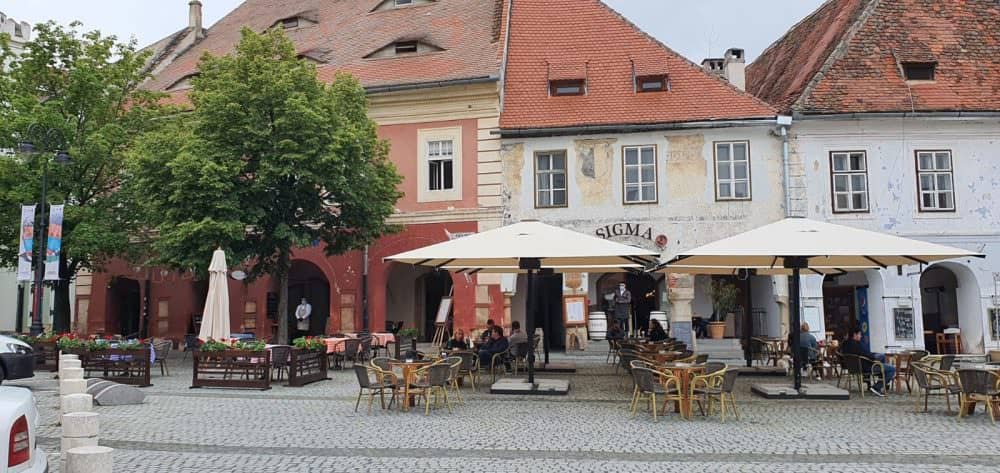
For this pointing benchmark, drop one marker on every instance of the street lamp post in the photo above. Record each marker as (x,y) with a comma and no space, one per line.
(61,157)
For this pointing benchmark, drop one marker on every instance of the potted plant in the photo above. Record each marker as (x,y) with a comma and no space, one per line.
(307,361)
(724,295)
(232,364)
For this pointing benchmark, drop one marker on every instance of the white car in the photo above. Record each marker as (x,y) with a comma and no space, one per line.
(17,359)
(18,426)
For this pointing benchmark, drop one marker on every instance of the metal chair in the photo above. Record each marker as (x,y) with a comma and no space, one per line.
(191,344)
(280,360)
(979,385)
(161,349)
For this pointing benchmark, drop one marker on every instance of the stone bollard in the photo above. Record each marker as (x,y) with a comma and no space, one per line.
(72,386)
(71,373)
(68,363)
(77,403)
(79,429)
(89,460)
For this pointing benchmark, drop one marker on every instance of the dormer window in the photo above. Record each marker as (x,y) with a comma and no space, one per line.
(567,87)
(406,47)
(301,19)
(655,83)
(394,4)
(920,71)
(290,23)
(403,3)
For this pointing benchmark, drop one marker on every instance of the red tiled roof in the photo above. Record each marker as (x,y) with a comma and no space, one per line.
(348,30)
(846,57)
(544,32)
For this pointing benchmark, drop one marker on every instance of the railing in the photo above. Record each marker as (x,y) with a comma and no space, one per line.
(116,364)
(232,369)
(307,366)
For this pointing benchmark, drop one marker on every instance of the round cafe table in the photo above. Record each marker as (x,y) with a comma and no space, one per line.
(408,367)
(684,372)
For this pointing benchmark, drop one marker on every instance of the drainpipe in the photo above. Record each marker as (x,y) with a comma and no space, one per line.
(784,122)
(364,291)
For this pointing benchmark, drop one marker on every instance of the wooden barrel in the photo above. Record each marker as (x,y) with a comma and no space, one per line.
(661,316)
(597,325)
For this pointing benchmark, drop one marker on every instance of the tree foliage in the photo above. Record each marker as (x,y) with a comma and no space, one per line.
(270,159)
(78,93)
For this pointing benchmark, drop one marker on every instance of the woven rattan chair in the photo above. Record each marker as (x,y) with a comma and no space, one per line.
(863,371)
(700,359)
(651,383)
(714,367)
(723,393)
(191,344)
(979,385)
(519,355)
(352,351)
(702,385)
(370,381)
(432,381)
(470,366)
(455,362)
(365,348)
(161,349)
(931,382)
(625,356)
(382,363)
(280,361)
(947,361)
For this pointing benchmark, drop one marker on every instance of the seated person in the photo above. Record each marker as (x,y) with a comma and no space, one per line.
(808,343)
(496,344)
(656,332)
(488,332)
(457,341)
(516,335)
(852,346)
(616,332)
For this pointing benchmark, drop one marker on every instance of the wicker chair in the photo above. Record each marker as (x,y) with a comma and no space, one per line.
(702,385)
(352,351)
(191,344)
(651,383)
(714,367)
(280,361)
(723,394)
(703,358)
(501,360)
(365,350)
(470,366)
(382,363)
(946,362)
(933,382)
(161,348)
(519,355)
(455,362)
(432,380)
(863,371)
(366,383)
(979,385)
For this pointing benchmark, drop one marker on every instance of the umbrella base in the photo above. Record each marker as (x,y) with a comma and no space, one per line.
(542,387)
(563,367)
(809,391)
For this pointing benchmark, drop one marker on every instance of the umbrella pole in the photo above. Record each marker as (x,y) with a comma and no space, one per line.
(748,323)
(529,319)
(796,324)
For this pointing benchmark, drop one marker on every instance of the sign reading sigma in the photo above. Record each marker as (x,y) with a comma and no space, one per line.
(636,230)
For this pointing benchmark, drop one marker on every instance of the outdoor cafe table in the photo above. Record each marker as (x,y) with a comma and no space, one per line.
(901,361)
(684,372)
(664,357)
(408,367)
(335,344)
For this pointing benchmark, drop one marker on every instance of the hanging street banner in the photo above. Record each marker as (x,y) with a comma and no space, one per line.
(54,244)
(27,243)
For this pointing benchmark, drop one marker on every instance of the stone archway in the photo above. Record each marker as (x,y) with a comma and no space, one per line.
(307,281)
(950,298)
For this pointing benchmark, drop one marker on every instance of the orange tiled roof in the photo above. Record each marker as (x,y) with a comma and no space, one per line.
(348,30)
(561,35)
(845,58)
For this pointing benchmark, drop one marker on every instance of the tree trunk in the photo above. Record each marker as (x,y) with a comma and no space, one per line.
(283,268)
(61,304)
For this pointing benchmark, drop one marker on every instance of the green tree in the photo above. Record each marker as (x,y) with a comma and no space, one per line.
(78,93)
(270,159)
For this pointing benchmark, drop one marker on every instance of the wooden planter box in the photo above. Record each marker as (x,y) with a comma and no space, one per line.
(232,369)
(46,356)
(114,364)
(307,366)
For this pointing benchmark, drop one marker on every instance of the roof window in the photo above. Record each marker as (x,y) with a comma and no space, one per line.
(922,71)
(654,83)
(394,4)
(406,47)
(567,87)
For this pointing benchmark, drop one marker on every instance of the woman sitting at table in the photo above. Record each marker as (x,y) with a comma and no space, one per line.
(656,332)
(457,341)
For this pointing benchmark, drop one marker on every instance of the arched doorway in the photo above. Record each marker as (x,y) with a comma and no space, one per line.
(125,307)
(307,281)
(413,295)
(950,299)
(645,291)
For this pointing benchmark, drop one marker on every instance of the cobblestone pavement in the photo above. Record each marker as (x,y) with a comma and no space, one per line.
(315,429)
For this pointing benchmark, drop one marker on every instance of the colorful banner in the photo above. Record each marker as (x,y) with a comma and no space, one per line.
(27,244)
(54,244)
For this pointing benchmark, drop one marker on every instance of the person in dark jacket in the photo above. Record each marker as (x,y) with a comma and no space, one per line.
(496,344)
(615,332)
(852,346)
(485,337)
(656,332)
(457,342)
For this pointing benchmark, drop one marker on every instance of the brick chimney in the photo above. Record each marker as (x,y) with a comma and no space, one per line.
(714,66)
(194,18)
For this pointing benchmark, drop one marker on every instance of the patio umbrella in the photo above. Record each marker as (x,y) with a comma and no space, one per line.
(530,247)
(793,245)
(215,319)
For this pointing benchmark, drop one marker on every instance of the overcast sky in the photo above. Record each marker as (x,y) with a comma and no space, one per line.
(696,29)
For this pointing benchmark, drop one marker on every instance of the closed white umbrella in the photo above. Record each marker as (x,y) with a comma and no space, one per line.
(796,245)
(215,319)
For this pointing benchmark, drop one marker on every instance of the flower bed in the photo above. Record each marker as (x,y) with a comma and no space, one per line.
(126,363)
(308,362)
(221,364)
(46,351)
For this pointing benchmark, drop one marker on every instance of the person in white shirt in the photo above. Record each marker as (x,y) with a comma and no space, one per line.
(302,313)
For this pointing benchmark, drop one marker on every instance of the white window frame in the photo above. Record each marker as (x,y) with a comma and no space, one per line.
(549,176)
(732,181)
(935,172)
(850,173)
(641,184)
(424,138)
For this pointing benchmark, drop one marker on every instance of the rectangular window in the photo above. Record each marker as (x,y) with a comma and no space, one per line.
(934,181)
(550,179)
(639,174)
(919,70)
(650,83)
(406,47)
(995,322)
(289,23)
(440,162)
(567,87)
(849,178)
(732,170)
(400,3)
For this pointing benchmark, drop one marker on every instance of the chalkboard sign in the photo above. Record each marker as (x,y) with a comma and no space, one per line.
(903,322)
(681,331)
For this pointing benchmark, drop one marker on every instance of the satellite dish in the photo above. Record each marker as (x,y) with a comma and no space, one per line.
(238,275)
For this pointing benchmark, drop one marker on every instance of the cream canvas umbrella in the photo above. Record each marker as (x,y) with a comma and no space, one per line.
(794,245)
(215,319)
(530,247)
